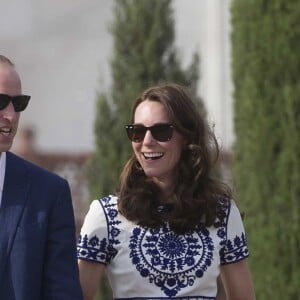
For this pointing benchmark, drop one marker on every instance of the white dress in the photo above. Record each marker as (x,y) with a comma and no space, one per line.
(145,263)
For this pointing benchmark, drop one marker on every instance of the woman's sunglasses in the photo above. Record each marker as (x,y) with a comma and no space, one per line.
(160,132)
(19,102)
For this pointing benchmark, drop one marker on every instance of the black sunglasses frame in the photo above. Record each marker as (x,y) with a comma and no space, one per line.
(19,102)
(161,132)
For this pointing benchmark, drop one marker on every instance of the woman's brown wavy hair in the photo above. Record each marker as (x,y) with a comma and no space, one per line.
(195,202)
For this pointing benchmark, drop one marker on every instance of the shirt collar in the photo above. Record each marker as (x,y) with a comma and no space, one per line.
(2,169)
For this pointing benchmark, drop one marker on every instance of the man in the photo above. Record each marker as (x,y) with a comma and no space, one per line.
(37,231)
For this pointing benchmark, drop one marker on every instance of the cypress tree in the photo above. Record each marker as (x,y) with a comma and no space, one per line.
(266,72)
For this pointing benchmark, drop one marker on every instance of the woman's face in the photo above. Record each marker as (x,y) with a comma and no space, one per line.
(158,159)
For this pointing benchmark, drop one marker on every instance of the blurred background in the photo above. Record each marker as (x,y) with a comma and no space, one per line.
(62,49)
(242,59)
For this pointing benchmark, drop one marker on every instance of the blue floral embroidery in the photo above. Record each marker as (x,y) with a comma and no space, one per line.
(91,248)
(172,262)
(236,250)
(167,298)
(231,251)
(222,230)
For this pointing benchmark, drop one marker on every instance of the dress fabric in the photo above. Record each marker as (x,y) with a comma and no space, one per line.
(147,263)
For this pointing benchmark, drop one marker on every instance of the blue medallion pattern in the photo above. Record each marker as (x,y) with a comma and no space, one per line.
(170,261)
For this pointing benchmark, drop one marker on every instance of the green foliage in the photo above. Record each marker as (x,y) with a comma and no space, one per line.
(266,56)
(143,55)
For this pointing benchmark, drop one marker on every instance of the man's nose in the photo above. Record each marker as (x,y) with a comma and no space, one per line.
(9,111)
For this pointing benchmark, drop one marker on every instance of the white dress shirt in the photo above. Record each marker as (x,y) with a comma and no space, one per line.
(2,172)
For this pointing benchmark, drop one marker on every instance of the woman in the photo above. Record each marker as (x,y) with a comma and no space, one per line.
(172,229)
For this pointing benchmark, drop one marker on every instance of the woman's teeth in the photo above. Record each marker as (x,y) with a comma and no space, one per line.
(153,155)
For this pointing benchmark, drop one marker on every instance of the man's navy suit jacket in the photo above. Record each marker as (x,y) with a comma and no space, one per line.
(37,235)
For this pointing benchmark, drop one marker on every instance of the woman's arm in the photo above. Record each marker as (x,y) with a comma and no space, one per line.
(221,295)
(237,281)
(90,274)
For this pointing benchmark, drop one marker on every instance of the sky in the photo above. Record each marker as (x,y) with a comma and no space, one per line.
(62,49)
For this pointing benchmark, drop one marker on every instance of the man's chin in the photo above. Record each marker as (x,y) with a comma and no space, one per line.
(6,147)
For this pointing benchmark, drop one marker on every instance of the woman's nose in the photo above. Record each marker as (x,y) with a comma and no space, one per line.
(148,138)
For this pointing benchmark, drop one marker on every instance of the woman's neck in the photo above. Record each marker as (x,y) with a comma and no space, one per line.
(167,189)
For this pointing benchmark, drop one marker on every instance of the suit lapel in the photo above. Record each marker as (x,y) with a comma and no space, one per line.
(14,197)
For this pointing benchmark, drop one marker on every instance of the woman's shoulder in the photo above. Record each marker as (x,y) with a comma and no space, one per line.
(104,202)
(229,209)
(98,210)
(109,199)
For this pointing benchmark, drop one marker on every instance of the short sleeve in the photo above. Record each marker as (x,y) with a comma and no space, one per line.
(235,246)
(93,241)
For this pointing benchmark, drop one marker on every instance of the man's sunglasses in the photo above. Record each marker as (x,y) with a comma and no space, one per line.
(19,102)
(160,132)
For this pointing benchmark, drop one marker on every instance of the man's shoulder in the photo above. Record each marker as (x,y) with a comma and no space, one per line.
(32,169)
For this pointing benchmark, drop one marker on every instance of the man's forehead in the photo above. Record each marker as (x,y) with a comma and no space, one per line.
(10,82)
